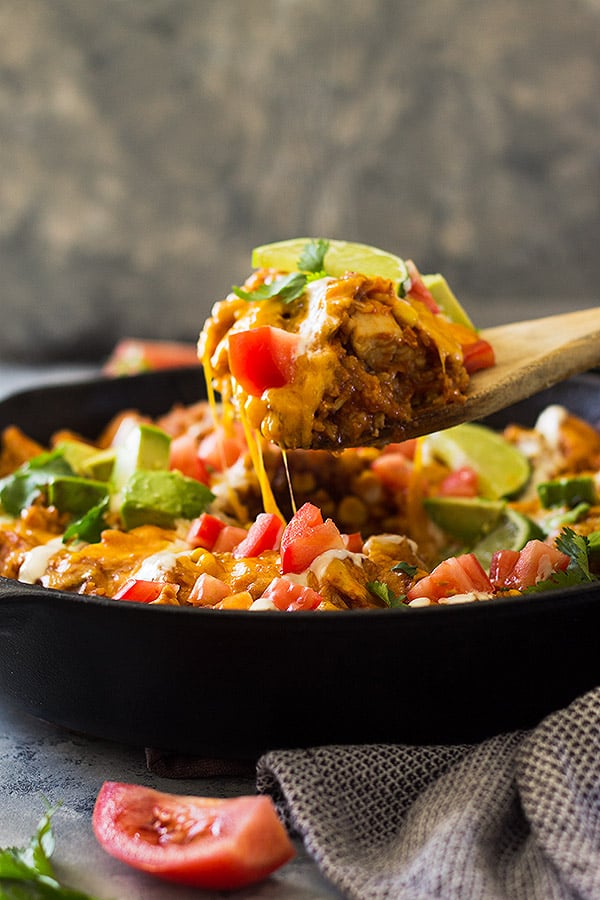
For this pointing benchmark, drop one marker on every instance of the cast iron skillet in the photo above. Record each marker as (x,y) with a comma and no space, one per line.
(235,684)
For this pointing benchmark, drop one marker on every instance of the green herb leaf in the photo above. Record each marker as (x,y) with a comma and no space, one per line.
(27,873)
(19,490)
(312,258)
(89,527)
(383,591)
(286,287)
(406,569)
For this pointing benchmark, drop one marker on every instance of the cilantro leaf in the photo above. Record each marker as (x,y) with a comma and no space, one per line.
(286,287)
(312,258)
(405,568)
(90,526)
(22,487)
(383,591)
(27,873)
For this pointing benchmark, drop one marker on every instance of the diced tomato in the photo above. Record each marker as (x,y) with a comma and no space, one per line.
(306,537)
(264,534)
(456,575)
(263,358)
(406,448)
(209,843)
(393,470)
(353,542)
(222,448)
(462,482)
(418,290)
(139,590)
(501,565)
(286,595)
(228,538)
(183,456)
(478,355)
(131,355)
(208,590)
(204,531)
(537,561)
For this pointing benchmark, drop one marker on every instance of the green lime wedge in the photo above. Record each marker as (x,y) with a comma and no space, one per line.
(512,533)
(341,257)
(464,518)
(446,300)
(501,468)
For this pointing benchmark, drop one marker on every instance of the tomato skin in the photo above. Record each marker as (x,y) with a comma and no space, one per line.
(228,539)
(455,575)
(307,536)
(209,843)
(478,355)
(418,290)
(264,534)
(204,531)
(393,470)
(139,590)
(289,596)
(220,449)
(208,590)
(536,562)
(501,565)
(353,542)
(462,482)
(183,455)
(263,358)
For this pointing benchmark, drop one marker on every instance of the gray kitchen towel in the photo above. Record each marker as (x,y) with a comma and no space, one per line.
(516,817)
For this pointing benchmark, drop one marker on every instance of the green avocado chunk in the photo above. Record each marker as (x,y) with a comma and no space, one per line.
(146,448)
(567,491)
(160,497)
(75,495)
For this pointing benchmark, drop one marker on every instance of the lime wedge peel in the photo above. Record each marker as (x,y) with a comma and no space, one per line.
(341,257)
(465,519)
(512,533)
(502,469)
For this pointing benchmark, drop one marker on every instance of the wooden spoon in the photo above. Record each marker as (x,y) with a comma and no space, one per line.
(530,356)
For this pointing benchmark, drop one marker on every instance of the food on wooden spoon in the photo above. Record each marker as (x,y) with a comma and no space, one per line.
(331,344)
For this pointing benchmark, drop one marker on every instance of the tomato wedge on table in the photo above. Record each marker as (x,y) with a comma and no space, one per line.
(211,843)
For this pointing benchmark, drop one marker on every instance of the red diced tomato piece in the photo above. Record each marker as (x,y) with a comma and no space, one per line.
(418,290)
(394,470)
(208,590)
(183,456)
(353,542)
(407,448)
(501,565)
(306,537)
(478,355)
(221,448)
(456,575)
(263,358)
(139,590)
(204,531)
(462,482)
(204,842)
(286,595)
(264,534)
(228,538)
(537,561)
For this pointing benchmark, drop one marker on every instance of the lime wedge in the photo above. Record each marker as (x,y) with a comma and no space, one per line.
(341,257)
(464,518)
(512,533)
(502,469)
(446,300)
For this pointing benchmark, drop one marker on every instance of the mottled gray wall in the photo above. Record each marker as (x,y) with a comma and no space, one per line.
(147,145)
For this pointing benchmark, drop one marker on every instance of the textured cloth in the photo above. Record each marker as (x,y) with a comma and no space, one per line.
(517,816)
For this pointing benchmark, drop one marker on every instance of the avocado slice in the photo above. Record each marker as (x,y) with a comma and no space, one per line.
(75,495)
(567,491)
(160,497)
(76,453)
(146,448)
